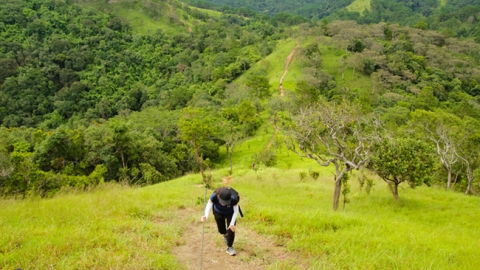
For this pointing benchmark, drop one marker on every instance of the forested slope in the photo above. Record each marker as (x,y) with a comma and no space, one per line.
(59,61)
(455,18)
(86,97)
(312,9)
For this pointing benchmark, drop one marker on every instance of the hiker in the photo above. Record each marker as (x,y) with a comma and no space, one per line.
(225,210)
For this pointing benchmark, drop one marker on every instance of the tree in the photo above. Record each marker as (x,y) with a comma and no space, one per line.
(306,94)
(25,173)
(331,133)
(197,128)
(232,135)
(402,160)
(468,151)
(259,86)
(443,129)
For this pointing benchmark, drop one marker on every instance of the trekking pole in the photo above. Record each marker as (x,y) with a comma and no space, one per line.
(203,229)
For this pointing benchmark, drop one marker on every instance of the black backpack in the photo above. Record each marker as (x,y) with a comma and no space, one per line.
(235,195)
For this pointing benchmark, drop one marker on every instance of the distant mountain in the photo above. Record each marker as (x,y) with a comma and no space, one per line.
(312,9)
(454,18)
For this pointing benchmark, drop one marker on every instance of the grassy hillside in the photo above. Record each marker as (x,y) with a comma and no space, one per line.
(136,228)
(147,16)
(359,6)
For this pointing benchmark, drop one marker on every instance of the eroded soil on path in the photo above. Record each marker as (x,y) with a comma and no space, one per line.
(254,251)
(288,62)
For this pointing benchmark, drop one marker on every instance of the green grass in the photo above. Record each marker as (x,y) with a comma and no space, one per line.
(211,13)
(424,231)
(359,6)
(143,24)
(113,228)
(140,22)
(136,228)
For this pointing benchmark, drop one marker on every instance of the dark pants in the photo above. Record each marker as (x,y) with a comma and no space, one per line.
(223,221)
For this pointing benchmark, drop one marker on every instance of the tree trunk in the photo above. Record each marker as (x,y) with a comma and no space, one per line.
(469,186)
(393,186)
(449,178)
(200,166)
(470,180)
(337,191)
(395,191)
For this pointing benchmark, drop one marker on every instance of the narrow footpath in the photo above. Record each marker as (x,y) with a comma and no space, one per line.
(288,62)
(254,251)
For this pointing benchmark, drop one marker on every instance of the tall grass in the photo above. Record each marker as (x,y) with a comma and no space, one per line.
(427,229)
(111,228)
(135,228)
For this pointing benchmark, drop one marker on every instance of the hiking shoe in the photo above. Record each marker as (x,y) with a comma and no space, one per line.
(231,251)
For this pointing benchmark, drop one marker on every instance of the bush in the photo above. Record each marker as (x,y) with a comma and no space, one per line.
(267,157)
(314,175)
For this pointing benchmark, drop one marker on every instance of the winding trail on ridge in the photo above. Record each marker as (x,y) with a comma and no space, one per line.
(254,251)
(288,62)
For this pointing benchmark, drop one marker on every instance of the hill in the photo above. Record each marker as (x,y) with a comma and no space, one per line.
(310,9)
(115,116)
(144,228)
(102,100)
(455,18)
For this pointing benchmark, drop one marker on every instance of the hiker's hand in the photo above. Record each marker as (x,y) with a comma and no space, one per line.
(203,219)
(232,228)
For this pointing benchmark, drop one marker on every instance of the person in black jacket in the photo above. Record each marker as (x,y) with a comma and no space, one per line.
(225,210)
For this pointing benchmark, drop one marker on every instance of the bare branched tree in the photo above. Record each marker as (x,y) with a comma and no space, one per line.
(337,134)
(443,130)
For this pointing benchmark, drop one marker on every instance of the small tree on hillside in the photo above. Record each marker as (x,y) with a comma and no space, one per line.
(444,130)
(335,134)
(402,160)
(468,151)
(259,86)
(196,128)
(232,135)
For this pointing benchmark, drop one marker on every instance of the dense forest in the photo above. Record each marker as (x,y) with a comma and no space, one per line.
(86,97)
(312,9)
(455,18)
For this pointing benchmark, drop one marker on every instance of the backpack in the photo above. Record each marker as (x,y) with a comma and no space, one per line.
(235,195)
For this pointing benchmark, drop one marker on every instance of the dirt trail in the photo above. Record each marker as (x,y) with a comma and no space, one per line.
(254,252)
(288,62)
(274,133)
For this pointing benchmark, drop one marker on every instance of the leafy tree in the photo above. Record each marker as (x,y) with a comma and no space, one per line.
(60,150)
(306,94)
(25,173)
(197,128)
(402,160)
(259,86)
(232,134)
